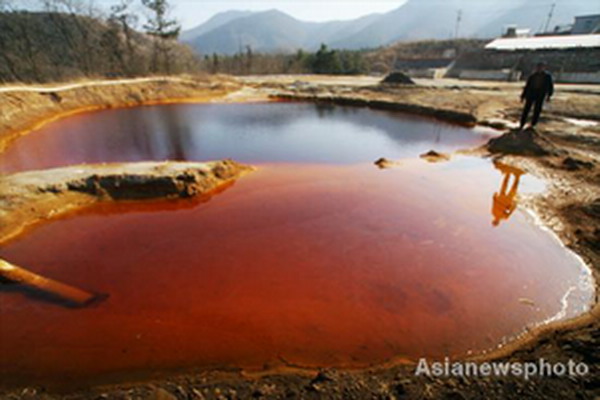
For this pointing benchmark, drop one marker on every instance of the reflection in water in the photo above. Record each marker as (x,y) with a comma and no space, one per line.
(166,135)
(505,200)
(251,133)
(438,134)
(177,133)
(317,265)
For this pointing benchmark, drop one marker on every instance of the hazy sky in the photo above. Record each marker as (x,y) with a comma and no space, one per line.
(194,12)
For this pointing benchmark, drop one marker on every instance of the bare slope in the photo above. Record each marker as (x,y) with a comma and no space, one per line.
(47,47)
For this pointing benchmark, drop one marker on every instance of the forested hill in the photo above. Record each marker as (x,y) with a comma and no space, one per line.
(50,46)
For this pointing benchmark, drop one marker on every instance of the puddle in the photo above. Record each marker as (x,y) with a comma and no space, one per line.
(251,133)
(586,123)
(317,259)
(311,265)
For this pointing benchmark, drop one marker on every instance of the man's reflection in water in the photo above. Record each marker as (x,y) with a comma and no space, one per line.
(504,200)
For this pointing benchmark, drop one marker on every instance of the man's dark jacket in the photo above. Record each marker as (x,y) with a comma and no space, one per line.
(539,86)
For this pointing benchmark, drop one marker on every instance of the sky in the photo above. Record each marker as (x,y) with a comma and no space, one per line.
(194,12)
(191,13)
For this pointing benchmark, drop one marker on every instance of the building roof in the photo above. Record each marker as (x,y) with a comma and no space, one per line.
(588,16)
(586,24)
(545,42)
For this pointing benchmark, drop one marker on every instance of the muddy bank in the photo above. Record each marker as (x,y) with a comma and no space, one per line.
(30,198)
(497,107)
(26,108)
(409,106)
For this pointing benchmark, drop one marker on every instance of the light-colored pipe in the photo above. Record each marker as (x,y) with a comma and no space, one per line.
(16,274)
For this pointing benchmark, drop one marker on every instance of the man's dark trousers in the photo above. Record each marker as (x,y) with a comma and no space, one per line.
(537,102)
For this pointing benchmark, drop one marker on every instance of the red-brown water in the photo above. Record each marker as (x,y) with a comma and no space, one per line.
(304,263)
(313,266)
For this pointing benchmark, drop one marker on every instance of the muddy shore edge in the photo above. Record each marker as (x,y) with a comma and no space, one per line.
(31,198)
(27,108)
(570,208)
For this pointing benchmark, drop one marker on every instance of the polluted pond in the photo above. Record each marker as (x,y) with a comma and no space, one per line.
(317,259)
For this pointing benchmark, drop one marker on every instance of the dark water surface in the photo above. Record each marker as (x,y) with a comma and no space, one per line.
(313,264)
(272,132)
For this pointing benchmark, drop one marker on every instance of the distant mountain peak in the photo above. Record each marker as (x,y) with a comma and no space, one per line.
(214,22)
(275,31)
(274,11)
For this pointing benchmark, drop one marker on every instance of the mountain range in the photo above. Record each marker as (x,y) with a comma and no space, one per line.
(275,31)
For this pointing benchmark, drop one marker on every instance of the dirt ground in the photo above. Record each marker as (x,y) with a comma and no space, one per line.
(564,150)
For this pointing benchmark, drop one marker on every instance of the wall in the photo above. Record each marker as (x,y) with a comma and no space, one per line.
(578,77)
(586,24)
(572,61)
(429,73)
(490,75)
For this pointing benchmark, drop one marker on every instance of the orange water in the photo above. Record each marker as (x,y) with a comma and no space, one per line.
(305,265)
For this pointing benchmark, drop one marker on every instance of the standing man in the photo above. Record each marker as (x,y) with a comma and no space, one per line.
(539,87)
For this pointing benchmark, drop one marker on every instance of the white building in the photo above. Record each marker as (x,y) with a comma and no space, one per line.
(586,24)
(545,42)
(511,31)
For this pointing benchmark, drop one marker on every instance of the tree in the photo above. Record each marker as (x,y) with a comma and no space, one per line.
(121,20)
(66,15)
(215,63)
(113,53)
(326,61)
(17,49)
(249,59)
(8,66)
(352,62)
(163,30)
(299,63)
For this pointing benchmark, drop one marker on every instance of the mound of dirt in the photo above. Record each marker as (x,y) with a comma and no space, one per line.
(524,143)
(433,156)
(384,163)
(398,78)
(574,164)
(29,197)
